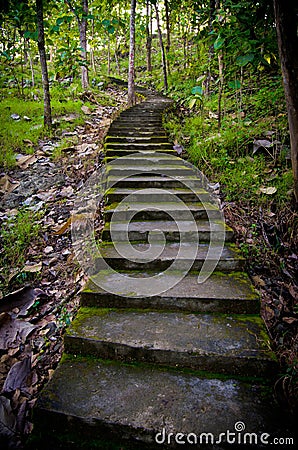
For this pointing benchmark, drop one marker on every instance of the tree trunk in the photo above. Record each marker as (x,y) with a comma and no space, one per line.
(83,42)
(163,55)
(82,24)
(149,36)
(221,86)
(286,27)
(211,47)
(131,67)
(168,45)
(43,63)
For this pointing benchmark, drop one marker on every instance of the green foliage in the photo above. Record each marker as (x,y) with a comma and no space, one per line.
(16,236)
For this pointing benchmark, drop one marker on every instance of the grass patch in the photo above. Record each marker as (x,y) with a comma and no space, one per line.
(16,237)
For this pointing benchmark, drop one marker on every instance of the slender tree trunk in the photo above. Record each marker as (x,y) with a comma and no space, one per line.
(43,63)
(149,36)
(211,48)
(109,54)
(31,64)
(82,24)
(131,67)
(221,85)
(168,26)
(83,42)
(162,49)
(286,27)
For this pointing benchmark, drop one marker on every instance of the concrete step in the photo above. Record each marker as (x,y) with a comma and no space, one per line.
(155,146)
(127,211)
(221,293)
(155,195)
(141,133)
(122,171)
(151,159)
(89,400)
(135,129)
(123,257)
(162,182)
(109,152)
(235,345)
(173,231)
(138,139)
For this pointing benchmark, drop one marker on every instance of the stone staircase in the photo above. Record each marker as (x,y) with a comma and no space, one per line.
(154,351)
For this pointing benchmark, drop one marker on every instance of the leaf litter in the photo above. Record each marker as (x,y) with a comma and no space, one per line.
(43,293)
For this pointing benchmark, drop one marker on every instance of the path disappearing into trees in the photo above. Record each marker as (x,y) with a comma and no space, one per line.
(158,345)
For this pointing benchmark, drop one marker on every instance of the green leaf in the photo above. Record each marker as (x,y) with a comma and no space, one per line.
(192,102)
(219,42)
(60,21)
(197,90)
(111,29)
(106,23)
(31,35)
(55,29)
(234,84)
(245,59)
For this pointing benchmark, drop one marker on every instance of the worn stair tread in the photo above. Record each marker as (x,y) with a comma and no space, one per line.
(150,210)
(124,257)
(155,181)
(192,230)
(133,403)
(221,292)
(235,345)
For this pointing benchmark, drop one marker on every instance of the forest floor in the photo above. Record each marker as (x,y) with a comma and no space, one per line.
(45,292)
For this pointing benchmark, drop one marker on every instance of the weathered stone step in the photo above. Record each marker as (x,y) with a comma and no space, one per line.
(137,139)
(135,129)
(132,123)
(155,146)
(130,151)
(162,182)
(139,158)
(90,400)
(155,195)
(136,133)
(235,345)
(220,293)
(123,257)
(170,171)
(152,211)
(173,231)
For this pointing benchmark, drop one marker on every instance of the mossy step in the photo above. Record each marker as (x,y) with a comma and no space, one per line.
(173,231)
(130,151)
(170,171)
(137,139)
(95,400)
(155,195)
(150,159)
(156,146)
(220,293)
(233,345)
(135,134)
(121,256)
(163,182)
(126,211)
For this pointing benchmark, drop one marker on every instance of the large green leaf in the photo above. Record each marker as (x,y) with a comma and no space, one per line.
(245,59)
(235,84)
(219,42)
(197,90)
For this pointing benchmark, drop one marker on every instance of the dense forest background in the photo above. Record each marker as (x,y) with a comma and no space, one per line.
(231,68)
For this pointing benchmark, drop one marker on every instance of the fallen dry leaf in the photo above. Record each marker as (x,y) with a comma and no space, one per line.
(268,190)
(7,185)
(17,376)
(258,280)
(32,268)
(25,161)
(14,332)
(86,110)
(22,298)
